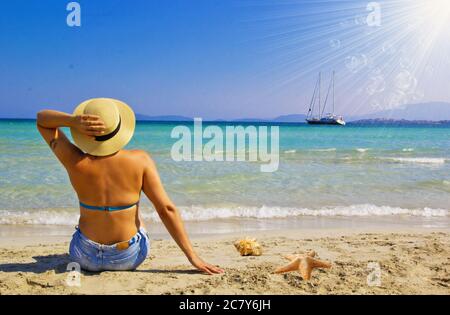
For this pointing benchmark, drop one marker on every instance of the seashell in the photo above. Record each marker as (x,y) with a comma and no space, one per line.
(248,247)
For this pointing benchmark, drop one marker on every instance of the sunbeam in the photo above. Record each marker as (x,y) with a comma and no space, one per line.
(386,54)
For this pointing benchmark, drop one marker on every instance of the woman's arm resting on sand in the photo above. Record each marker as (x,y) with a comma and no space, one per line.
(170,216)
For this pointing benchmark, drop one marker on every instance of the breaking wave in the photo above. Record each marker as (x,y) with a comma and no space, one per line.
(201,213)
(418,160)
(324,150)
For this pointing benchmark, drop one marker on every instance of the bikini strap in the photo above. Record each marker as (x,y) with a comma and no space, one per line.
(107,208)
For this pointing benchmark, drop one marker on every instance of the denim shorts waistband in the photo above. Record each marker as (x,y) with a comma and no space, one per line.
(135,239)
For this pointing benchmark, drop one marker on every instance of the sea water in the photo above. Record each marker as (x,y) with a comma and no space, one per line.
(324,171)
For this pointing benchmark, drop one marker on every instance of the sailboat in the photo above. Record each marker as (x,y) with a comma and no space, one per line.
(321,118)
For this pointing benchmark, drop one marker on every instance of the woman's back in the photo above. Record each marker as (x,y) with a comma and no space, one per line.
(112,181)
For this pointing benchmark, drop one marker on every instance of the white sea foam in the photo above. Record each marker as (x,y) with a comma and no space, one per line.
(200,213)
(324,150)
(290,151)
(418,160)
(408,150)
(39,217)
(362,150)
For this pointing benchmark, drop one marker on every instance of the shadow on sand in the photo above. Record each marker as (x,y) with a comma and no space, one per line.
(162,271)
(59,263)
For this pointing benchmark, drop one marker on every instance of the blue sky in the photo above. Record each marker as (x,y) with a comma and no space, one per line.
(220,58)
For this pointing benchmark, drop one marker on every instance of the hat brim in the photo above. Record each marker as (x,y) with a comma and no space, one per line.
(91,146)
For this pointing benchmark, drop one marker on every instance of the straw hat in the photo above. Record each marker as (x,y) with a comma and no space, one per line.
(119,121)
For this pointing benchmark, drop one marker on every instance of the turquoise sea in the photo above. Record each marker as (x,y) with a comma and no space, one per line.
(352,171)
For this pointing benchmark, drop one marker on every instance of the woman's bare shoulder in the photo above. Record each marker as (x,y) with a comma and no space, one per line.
(141,156)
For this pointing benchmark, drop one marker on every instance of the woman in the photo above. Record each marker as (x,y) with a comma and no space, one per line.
(108,181)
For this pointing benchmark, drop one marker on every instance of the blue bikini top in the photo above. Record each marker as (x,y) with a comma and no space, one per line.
(107,208)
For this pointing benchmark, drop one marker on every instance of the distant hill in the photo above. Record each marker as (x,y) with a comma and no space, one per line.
(293,118)
(422,113)
(432,111)
(290,118)
(398,122)
(245,120)
(141,117)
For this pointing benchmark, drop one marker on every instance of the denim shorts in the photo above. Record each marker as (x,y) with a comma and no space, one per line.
(93,256)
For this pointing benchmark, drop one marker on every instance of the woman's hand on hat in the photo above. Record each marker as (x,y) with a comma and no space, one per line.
(90,125)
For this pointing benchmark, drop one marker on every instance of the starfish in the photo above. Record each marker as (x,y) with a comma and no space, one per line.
(305,264)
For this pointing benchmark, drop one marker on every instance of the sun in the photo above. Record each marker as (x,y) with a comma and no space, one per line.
(443,5)
(435,12)
(426,21)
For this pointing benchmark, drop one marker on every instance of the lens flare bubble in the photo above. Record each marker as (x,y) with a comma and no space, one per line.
(376,85)
(356,63)
(405,81)
(335,43)
(371,63)
(376,71)
(376,104)
(417,96)
(395,99)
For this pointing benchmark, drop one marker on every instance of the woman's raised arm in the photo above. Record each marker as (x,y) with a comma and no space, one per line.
(48,123)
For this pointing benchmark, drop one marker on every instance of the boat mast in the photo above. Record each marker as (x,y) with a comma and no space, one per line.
(326,98)
(320,79)
(312,103)
(333,94)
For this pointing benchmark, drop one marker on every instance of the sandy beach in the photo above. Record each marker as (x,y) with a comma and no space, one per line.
(412,261)
(317,128)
